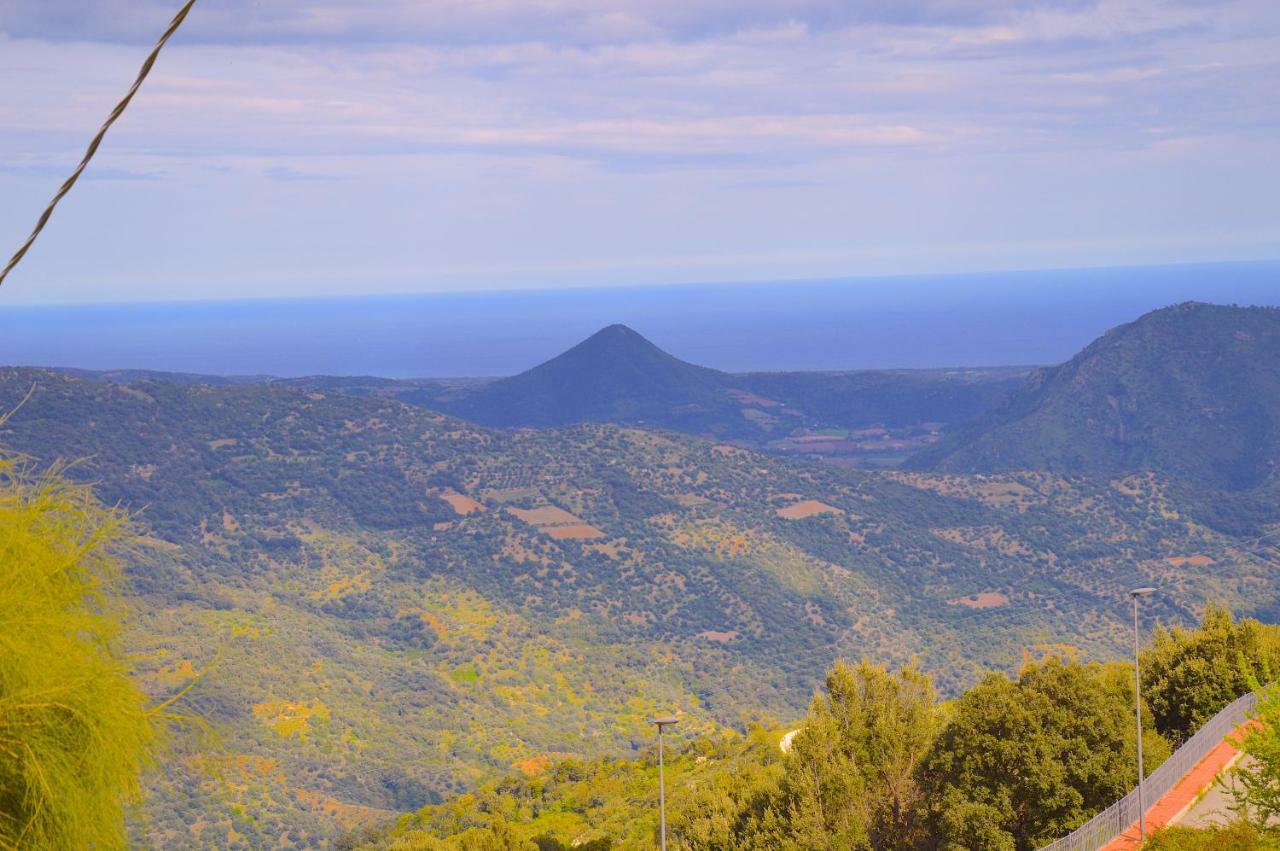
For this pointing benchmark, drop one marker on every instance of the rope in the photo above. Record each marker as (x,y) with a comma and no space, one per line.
(97,139)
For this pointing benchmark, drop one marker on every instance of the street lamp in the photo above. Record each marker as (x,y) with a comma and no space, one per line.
(662,724)
(1137,705)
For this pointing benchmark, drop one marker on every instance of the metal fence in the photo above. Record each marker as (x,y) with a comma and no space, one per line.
(1121,815)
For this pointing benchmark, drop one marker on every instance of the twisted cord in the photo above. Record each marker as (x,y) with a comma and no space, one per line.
(97,139)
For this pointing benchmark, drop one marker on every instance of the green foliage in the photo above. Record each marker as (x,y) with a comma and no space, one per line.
(851,777)
(1191,391)
(372,661)
(1237,836)
(1255,786)
(1191,674)
(1021,762)
(74,729)
(609,803)
(876,765)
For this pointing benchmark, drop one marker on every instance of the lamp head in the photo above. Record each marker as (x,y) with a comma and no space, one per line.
(1141,592)
(665,721)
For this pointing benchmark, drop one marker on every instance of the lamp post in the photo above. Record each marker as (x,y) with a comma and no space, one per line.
(1137,706)
(662,724)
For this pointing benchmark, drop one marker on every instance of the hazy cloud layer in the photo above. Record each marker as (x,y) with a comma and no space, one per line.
(388,144)
(496,21)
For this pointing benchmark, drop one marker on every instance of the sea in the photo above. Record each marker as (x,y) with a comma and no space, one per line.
(923,321)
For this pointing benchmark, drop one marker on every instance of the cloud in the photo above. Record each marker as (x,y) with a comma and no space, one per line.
(581,22)
(437,134)
(289,174)
(61,170)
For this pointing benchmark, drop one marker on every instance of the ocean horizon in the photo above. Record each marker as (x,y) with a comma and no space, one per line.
(909,322)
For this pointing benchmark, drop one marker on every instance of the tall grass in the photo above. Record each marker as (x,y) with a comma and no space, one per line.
(75,732)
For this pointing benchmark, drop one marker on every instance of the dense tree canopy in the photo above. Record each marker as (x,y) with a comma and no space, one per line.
(1024,761)
(1190,674)
(850,780)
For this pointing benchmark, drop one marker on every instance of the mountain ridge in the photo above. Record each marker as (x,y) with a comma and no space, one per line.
(1192,390)
(618,376)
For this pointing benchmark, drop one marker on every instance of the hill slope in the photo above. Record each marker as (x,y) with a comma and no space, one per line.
(618,376)
(614,375)
(1192,391)
(396,604)
(863,417)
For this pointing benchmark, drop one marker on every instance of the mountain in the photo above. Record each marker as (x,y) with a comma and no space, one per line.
(857,418)
(1191,391)
(615,375)
(618,376)
(391,605)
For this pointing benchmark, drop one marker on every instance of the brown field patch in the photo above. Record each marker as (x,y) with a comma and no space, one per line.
(719,637)
(1002,494)
(577,531)
(984,600)
(806,508)
(547,515)
(1197,560)
(462,504)
(345,814)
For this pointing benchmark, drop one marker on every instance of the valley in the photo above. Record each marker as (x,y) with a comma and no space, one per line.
(381,605)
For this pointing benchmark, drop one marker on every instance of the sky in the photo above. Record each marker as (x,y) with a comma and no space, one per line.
(287,148)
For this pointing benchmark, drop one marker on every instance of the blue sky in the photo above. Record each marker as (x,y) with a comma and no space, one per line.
(345,146)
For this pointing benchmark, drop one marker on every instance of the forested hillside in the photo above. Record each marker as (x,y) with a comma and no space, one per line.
(617,376)
(857,418)
(878,764)
(389,605)
(1191,391)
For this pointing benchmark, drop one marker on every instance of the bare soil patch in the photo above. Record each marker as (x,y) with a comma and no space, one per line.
(985,600)
(462,504)
(806,508)
(578,531)
(1197,560)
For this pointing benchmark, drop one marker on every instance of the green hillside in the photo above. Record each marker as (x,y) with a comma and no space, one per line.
(390,605)
(878,763)
(872,418)
(1191,391)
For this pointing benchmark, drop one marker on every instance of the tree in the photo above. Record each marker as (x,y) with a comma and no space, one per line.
(850,777)
(1024,761)
(75,731)
(1255,789)
(1191,674)
(737,810)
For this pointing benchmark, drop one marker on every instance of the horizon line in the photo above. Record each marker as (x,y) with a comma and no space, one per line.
(718,283)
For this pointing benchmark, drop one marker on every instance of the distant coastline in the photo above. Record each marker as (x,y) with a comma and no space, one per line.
(864,323)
